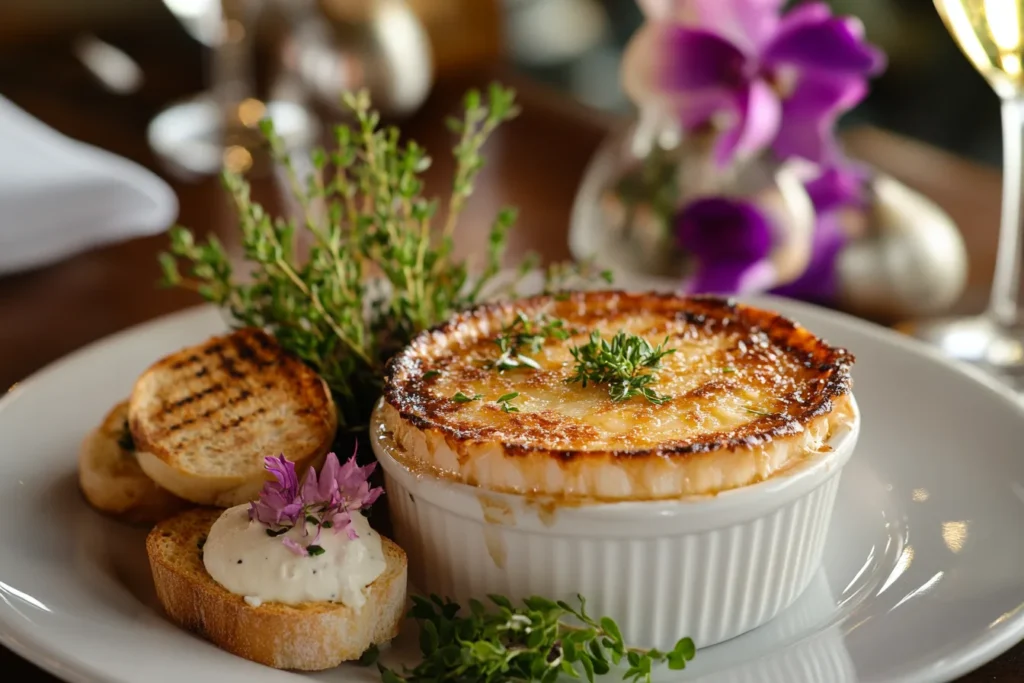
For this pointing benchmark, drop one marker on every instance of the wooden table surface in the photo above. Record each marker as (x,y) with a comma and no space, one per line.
(534,163)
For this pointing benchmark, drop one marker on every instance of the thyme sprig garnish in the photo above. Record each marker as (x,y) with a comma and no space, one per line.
(535,642)
(462,397)
(530,334)
(377,272)
(625,364)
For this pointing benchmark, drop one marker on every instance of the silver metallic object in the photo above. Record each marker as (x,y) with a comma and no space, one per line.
(380,45)
(910,260)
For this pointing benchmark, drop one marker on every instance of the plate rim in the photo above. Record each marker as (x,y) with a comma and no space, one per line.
(977,651)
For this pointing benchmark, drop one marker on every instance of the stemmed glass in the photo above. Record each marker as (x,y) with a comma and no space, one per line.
(991,35)
(219,128)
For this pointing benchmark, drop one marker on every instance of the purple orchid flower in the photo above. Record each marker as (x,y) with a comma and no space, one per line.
(729,240)
(279,503)
(768,80)
(837,188)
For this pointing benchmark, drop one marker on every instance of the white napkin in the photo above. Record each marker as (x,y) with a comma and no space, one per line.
(59,196)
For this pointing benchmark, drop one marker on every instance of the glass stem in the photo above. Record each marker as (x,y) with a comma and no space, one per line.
(1004,305)
(231,77)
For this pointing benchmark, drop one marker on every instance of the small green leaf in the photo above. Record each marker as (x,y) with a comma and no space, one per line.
(535,639)
(538,667)
(169,270)
(551,675)
(460,397)
(500,601)
(684,651)
(430,374)
(314,550)
(484,650)
(428,638)
(609,626)
(588,668)
(540,604)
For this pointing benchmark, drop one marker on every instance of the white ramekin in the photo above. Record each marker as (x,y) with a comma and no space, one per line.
(709,568)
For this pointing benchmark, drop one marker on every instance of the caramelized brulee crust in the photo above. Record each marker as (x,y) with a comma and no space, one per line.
(751,393)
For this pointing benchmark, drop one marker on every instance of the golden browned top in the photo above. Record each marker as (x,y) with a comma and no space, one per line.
(738,377)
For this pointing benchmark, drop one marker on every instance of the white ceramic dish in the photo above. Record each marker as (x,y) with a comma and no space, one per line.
(711,568)
(920,580)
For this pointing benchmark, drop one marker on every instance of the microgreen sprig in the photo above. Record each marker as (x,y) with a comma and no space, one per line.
(526,333)
(624,364)
(535,642)
(462,397)
(505,401)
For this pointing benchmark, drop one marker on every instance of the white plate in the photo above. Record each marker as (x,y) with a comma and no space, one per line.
(923,576)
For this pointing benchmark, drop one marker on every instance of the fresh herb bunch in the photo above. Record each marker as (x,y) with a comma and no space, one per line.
(624,364)
(363,206)
(536,642)
(526,333)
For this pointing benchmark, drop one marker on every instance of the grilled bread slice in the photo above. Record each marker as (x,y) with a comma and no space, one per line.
(750,394)
(112,480)
(309,636)
(204,418)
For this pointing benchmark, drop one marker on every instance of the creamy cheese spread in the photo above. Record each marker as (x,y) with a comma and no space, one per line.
(242,558)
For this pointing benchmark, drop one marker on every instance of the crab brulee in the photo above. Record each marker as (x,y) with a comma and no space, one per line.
(632,447)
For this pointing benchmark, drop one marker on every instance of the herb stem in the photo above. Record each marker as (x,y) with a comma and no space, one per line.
(286,268)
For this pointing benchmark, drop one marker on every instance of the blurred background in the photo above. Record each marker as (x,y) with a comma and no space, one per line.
(929,91)
(176,88)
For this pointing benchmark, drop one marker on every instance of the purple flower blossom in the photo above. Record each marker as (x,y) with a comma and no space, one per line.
(729,240)
(296,548)
(767,80)
(279,503)
(836,189)
(353,483)
(330,497)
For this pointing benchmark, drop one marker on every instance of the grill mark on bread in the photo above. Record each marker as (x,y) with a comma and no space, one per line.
(242,396)
(177,365)
(229,394)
